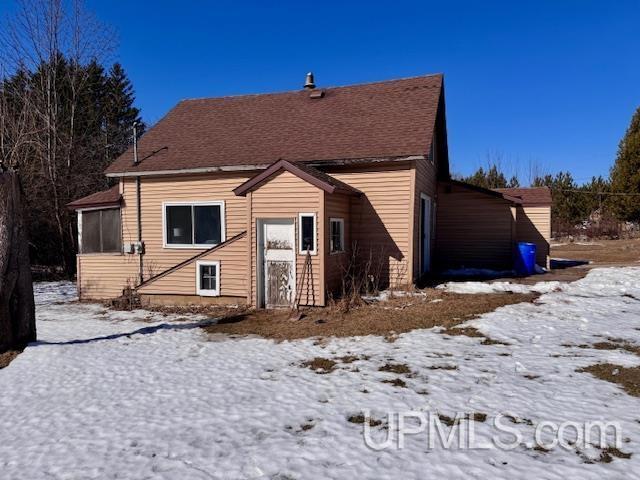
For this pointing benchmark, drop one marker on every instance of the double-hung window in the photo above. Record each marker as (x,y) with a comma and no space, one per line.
(193,224)
(336,235)
(307,233)
(208,278)
(99,231)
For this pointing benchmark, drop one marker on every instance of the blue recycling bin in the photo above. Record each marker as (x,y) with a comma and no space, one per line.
(525,258)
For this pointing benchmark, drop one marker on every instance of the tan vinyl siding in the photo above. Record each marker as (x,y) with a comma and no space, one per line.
(285,196)
(474,230)
(336,206)
(233,279)
(103,276)
(156,190)
(534,225)
(381,218)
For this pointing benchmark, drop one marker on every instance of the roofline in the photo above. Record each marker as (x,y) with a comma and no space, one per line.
(486,191)
(318,87)
(263,166)
(534,203)
(283,164)
(94,206)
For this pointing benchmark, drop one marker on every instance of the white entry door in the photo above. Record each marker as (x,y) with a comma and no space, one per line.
(425,233)
(279,263)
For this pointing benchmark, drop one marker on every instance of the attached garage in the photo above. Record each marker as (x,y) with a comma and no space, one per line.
(475,227)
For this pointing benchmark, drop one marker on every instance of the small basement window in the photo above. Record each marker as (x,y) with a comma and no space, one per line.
(100,231)
(336,235)
(307,233)
(208,279)
(193,225)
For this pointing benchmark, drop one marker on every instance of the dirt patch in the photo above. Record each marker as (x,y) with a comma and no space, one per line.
(7,357)
(611,344)
(627,377)
(360,419)
(475,416)
(389,318)
(396,382)
(472,332)
(320,365)
(395,368)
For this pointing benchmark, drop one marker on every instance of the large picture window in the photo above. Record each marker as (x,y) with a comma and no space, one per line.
(188,225)
(100,231)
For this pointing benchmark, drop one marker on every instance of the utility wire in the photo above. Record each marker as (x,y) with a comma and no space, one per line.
(622,194)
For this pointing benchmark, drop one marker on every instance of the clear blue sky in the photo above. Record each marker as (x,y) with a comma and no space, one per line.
(549,82)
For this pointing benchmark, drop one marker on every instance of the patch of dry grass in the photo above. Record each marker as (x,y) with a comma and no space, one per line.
(396,382)
(7,357)
(627,377)
(601,251)
(320,365)
(472,332)
(388,319)
(399,368)
(360,419)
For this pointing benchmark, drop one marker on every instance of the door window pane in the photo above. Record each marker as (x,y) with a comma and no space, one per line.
(208,225)
(307,233)
(336,238)
(179,227)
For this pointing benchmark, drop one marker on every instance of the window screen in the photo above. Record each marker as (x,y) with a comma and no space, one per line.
(101,231)
(207,222)
(179,228)
(307,233)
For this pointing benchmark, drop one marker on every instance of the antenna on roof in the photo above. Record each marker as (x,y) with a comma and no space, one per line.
(309,81)
(135,143)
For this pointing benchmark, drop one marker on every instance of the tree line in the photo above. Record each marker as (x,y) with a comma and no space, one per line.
(65,115)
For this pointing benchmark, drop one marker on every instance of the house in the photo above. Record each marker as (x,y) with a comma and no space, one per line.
(268,199)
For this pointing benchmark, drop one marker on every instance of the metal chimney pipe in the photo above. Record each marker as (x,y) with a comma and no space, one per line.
(309,84)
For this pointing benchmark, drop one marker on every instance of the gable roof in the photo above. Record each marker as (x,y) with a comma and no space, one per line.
(106,198)
(305,172)
(540,196)
(391,119)
(493,193)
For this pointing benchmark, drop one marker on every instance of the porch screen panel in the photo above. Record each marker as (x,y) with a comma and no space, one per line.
(110,225)
(91,232)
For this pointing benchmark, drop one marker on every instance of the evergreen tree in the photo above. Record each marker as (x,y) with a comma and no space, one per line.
(625,173)
(491,178)
(120,112)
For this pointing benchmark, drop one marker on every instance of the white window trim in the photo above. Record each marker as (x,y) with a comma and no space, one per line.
(301,250)
(223,234)
(208,293)
(341,222)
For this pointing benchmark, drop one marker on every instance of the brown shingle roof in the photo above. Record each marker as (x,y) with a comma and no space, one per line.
(540,196)
(106,198)
(377,120)
(310,174)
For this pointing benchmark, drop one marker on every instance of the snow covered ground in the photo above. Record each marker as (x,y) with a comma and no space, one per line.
(136,395)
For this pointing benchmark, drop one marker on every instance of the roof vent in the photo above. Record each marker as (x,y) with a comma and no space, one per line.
(309,81)
(316,94)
